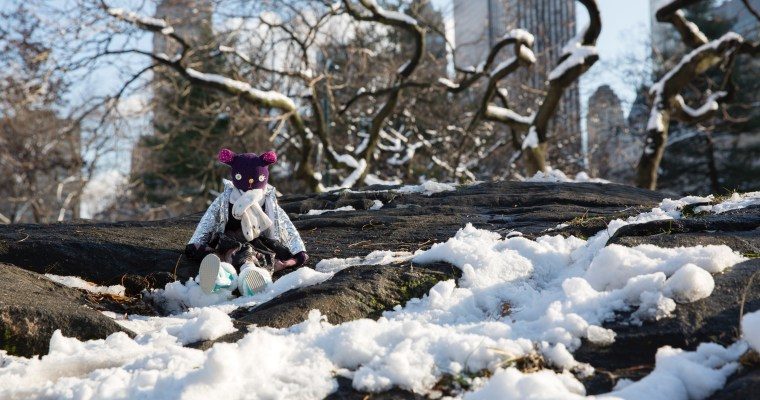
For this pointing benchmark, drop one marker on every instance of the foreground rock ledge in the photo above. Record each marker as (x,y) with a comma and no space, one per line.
(32,307)
(149,251)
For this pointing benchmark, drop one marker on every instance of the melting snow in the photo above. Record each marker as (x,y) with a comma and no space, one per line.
(751,329)
(319,212)
(559,291)
(79,283)
(428,188)
(555,175)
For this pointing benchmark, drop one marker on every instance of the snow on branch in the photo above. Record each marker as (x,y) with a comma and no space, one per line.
(667,102)
(523,56)
(579,56)
(150,24)
(688,114)
(694,63)
(391,16)
(672,13)
(580,53)
(396,19)
(269,98)
(509,117)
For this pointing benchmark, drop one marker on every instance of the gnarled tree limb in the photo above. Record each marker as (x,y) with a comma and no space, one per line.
(667,102)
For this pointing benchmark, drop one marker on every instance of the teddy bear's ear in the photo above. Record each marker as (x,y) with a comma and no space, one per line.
(269,157)
(225,156)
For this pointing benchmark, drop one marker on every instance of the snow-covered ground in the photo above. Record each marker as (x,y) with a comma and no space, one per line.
(559,291)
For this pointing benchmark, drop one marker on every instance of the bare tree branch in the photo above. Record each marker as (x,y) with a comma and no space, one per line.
(667,101)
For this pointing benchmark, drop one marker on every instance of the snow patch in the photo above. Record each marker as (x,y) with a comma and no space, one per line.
(79,283)
(320,212)
(377,257)
(751,329)
(427,188)
(557,176)
(735,202)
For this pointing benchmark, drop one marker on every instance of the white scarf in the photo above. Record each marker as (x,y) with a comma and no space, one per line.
(247,208)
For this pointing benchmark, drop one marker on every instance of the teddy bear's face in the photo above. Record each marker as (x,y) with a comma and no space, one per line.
(248,171)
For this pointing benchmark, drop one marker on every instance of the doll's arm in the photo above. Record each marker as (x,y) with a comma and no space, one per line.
(198,245)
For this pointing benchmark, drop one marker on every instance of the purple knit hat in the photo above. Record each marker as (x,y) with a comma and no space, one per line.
(249,171)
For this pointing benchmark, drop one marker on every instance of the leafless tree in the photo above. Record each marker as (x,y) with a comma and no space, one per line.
(48,148)
(578,56)
(668,102)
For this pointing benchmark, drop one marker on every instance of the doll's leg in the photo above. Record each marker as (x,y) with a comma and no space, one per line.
(253,279)
(214,274)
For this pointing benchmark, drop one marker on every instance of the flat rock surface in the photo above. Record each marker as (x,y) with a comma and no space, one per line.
(33,307)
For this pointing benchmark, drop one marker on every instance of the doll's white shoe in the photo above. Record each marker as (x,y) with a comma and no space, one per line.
(208,273)
(253,280)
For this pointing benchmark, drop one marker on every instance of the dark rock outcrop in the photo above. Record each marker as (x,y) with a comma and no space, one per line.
(743,386)
(103,252)
(712,319)
(32,307)
(141,255)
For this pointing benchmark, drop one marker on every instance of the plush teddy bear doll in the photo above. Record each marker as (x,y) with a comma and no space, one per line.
(245,236)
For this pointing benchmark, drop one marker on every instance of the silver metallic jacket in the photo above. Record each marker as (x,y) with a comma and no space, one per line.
(215,219)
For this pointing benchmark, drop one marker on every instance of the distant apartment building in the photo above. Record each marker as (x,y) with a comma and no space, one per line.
(479,24)
(613,149)
(191,20)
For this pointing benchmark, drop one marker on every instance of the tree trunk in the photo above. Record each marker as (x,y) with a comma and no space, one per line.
(712,167)
(536,159)
(654,149)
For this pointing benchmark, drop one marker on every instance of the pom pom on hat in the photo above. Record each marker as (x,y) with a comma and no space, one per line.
(269,157)
(226,156)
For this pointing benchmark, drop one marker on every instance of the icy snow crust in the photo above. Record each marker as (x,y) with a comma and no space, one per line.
(560,290)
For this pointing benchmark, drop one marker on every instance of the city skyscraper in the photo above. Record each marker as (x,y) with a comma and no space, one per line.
(479,24)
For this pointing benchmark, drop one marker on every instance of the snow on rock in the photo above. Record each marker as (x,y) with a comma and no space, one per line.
(377,257)
(735,202)
(178,297)
(615,265)
(556,176)
(685,375)
(79,283)
(207,324)
(198,324)
(751,329)
(511,384)
(427,188)
(690,283)
(376,205)
(319,212)
(558,290)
